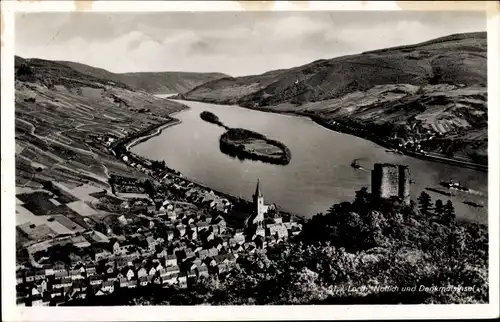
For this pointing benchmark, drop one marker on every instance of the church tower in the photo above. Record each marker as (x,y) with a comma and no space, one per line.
(260,208)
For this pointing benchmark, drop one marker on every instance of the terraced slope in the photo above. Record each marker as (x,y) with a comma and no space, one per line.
(65,119)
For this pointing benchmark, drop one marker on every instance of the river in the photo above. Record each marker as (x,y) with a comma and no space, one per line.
(319,173)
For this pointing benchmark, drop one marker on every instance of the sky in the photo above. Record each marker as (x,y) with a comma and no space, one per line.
(235,43)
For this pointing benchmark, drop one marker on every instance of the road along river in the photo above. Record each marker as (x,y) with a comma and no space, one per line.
(319,173)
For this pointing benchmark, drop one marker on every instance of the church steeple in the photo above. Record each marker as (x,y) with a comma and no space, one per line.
(257,194)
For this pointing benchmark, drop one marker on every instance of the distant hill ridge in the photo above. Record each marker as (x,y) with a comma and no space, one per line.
(455,59)
(151,82)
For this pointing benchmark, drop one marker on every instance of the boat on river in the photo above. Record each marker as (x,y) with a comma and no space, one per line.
(454,185)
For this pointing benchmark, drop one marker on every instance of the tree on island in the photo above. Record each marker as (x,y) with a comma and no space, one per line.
(425,202)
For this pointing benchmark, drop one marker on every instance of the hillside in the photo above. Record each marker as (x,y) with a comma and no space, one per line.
(151,82)
(438,86)
(65,120)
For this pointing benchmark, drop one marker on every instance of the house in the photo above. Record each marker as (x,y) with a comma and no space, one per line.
(260,232)
(142,272)
(59,268)
(124,282)
(162,273)
(171,279)
(30,276)
(171,260)
(132,284)
(281,233)
(67,281)
(171,214)
(222,268)
(211,261)
(143,281)
(198,262)
(102,255)
(130,274)
(79,286)
(156,279)
(213,252)
(39,275)
(172,270)
(121,263)
(238,248)
(240,239)
(95,280)
(122,220)
(181,229)
(122,248)
(152,271)
(225,259)
(110,270)
(108,287)
(34,290)
(151,243)
(158,266)
(55,292)
(43,286)
(37,300)
(90,270)
(170,235)
(202,271)
(49,271)
(75,274)
(202,254)
(57,284)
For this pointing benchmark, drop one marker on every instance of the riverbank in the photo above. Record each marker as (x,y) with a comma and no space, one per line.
(156,132)
(356,132)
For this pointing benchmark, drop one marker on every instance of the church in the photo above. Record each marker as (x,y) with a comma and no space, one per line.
(260,209)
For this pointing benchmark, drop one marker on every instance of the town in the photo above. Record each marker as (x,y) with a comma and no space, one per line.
(167,230)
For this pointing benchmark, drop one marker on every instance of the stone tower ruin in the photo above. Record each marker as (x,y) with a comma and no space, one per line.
(391,181)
